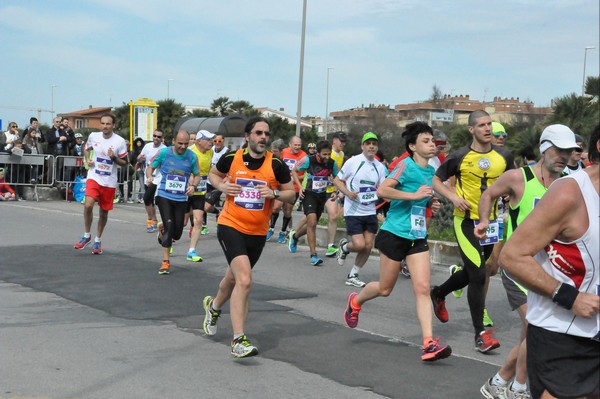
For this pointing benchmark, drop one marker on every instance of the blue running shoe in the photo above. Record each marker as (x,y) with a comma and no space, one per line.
(315,260)
(83,242)
(292,242)
(270,234)
(281,238)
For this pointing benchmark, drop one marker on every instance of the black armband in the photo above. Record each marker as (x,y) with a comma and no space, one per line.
(565,296)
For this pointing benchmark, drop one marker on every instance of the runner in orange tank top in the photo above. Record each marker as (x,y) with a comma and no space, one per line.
(251,179)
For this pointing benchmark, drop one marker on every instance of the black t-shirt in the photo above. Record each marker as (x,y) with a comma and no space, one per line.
(281,170)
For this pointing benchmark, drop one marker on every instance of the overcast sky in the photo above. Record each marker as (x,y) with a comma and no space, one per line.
(106,52)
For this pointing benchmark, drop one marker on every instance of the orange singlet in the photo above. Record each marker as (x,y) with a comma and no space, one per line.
(247,212)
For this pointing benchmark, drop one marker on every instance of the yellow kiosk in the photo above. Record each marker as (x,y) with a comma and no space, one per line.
(143,119)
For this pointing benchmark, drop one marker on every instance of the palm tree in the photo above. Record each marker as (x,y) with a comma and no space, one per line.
(221,106)
(200,113)
(169,112)
(577,112)
(592,86)
(240,107)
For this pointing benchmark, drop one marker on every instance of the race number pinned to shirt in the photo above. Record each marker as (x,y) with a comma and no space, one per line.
(418,222)
(492,233)
(367,194)
(201,187)
(319,183)
(291,163)
(250,197)
(103,166)
(175,184)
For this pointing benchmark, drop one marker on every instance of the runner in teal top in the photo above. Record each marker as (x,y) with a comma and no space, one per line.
(402,237)
(406,217)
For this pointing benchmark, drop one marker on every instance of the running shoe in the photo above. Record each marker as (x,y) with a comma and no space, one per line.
(165,267)
(331,251)
(341,254)
(292,242)
(510,394)
(490,391)
(150,226)
(404,271)
(97,248)
(315,260)
(83,242)
(354,281)
(191,231)
(192,256)
(351,313)
(453,269)
(485,342)
(241,347)
(210,316)
(270,234)
(282,237)
(434,351)
(487,322)
(204,231)
(439,306)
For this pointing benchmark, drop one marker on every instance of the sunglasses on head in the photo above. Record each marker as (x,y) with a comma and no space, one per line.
(498,134)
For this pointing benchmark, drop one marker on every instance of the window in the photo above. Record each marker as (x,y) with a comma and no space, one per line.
(80,123)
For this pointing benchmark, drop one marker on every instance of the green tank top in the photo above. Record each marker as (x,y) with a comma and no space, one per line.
(534,190)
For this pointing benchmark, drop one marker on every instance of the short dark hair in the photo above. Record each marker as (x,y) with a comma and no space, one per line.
(527,153)
(111,116)
(412,132)
(33,119)
(473,116)
(253,121)
(593,154)
(323,145)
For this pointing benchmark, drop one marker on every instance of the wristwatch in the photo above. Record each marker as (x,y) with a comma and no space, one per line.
(276,194)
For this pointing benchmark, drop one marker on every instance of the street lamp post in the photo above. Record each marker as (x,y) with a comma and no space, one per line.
(584,62)
(169,87)
(301,74)
(326,104)
(52,104)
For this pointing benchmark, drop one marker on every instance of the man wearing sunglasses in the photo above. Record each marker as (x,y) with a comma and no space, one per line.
(251,179)
(499,134)
(575,164)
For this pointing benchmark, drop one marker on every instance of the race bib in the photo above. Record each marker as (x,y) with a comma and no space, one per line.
(418,222)
(175,184)
(492,233)
(367,194)
(250,197)
(291,163)
(319,184)
(103,166)
(201,187)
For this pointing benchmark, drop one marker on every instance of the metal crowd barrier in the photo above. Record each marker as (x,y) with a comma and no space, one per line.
(42,170)
(69,167)
(28,170)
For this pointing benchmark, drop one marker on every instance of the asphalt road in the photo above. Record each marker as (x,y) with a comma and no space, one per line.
(76,325)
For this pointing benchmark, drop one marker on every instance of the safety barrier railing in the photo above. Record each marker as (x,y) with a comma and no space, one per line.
(28,170)
(41,170)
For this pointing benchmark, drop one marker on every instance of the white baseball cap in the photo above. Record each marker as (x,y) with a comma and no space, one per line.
(559,136)
(204,134)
